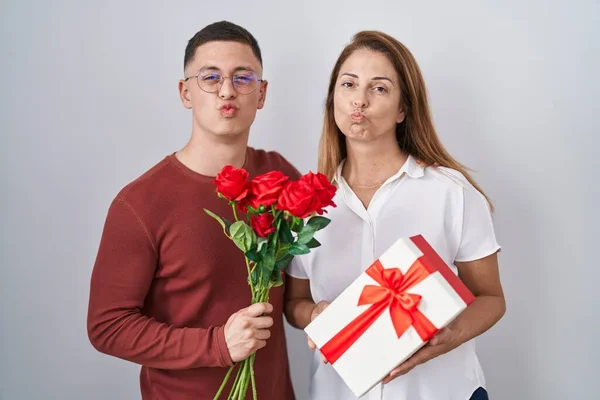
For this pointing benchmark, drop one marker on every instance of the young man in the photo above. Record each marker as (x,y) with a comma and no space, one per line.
(168,290)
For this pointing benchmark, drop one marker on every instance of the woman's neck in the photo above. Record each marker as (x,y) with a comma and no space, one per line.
(369,164)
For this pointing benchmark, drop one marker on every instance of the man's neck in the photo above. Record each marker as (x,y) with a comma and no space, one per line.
(372,163)
(208,154)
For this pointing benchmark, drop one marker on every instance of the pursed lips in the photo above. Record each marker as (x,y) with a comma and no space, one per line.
(227,107)
(357,116)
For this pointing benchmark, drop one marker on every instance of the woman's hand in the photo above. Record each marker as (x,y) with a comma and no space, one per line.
(483,280)
(300,309)
(444,341)
(319,307)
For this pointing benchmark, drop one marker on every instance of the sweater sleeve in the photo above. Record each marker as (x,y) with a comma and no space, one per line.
(122,275)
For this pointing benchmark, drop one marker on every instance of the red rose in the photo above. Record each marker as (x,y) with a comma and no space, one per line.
(266,188)
(324,190)
(262,224)
(298,198)
(232,183)
(243,204)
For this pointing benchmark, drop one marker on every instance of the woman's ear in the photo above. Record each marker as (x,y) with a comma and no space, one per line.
(400,116)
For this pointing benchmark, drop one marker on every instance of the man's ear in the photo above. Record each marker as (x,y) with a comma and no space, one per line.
(263,94)
(185,95)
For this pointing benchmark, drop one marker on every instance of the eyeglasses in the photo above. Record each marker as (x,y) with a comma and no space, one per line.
(211,82)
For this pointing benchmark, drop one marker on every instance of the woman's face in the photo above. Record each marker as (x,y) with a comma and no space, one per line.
(366,101)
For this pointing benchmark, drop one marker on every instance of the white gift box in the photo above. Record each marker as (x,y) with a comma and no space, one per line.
(388,313)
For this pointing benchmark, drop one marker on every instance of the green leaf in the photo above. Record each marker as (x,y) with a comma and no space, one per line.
(285,234)
(276,282)
(297,224)
(284,262)
(282,252)
(276,278)
(298,249)
(306,234)
(251,210)
(261,274)
(238,230)
(261,242)
(253,254)
(254,276)
(250,239)
(221,196)
(313,243)
(266,275)
(318,222)
(219,219)
(268,261)
(228,223)
(277,214)
(242,235)
(273,238)
(263,250)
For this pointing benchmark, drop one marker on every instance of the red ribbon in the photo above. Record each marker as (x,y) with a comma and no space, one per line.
(391,293)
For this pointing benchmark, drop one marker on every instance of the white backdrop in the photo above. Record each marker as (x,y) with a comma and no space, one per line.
(89,102)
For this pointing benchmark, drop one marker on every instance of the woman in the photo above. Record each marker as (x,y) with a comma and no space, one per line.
(377,124)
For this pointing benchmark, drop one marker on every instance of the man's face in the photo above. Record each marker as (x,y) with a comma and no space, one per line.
(228,110)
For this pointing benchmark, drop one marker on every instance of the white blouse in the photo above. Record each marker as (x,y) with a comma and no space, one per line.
(438,203)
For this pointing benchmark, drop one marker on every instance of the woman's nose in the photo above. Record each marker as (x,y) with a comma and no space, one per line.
(359,103)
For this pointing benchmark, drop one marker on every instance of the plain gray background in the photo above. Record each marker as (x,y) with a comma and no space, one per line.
(89,102)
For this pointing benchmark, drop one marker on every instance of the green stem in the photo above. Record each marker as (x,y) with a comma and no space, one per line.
(243,384)
(224,382)
(253,379)
(247,375)
(249,275)
(235,384)
(234,212)
(236,391)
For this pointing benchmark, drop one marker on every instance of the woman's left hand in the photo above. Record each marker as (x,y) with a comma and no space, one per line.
(444,341)
(483,280)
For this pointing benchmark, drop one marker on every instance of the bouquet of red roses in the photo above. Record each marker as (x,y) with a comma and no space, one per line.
(281,220)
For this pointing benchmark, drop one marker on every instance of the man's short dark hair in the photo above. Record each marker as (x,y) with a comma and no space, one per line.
(224,31)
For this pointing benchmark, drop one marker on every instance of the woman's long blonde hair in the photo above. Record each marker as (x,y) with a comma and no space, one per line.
(416,135)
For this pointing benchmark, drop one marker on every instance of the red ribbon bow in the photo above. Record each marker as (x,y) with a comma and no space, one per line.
(391,293)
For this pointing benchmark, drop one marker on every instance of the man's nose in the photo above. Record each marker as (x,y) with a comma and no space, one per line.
(227,90)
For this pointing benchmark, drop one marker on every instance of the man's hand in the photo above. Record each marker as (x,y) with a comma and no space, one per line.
(444,341)
(246,331)
(319,307)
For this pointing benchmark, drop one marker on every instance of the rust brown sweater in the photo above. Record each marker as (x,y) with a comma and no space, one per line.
(166,279)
